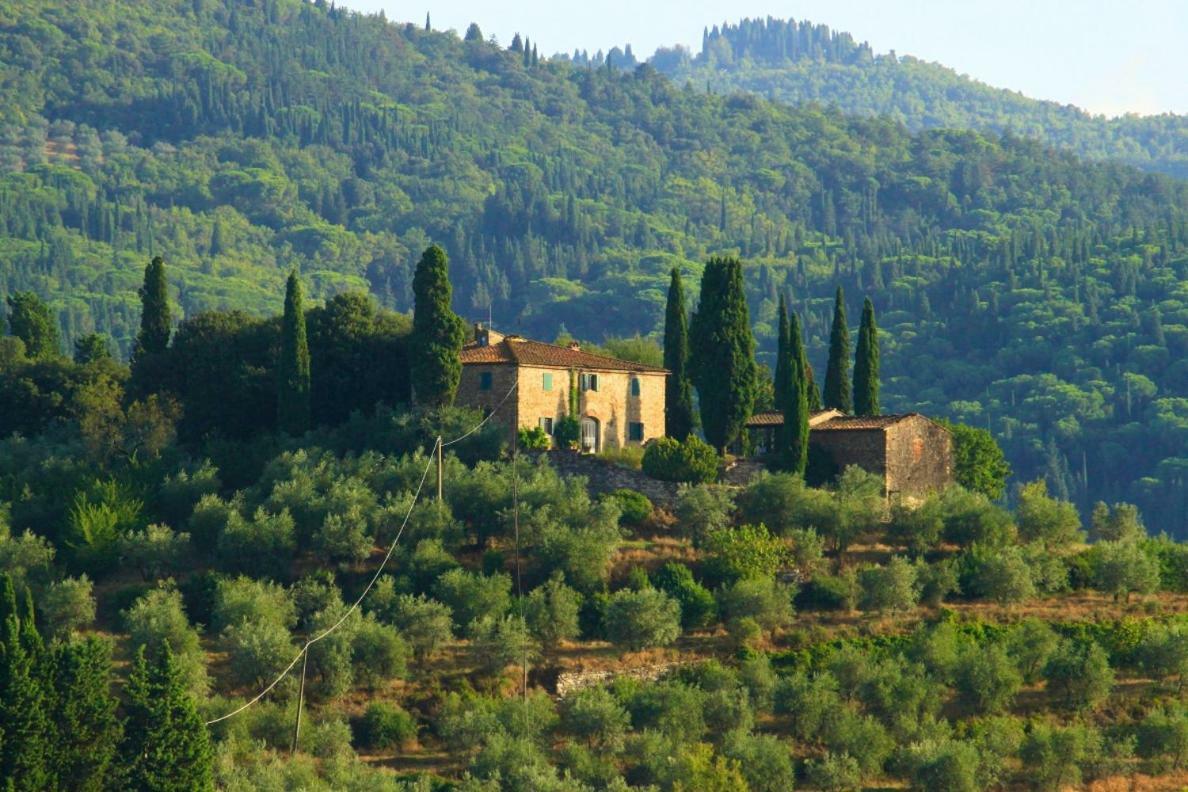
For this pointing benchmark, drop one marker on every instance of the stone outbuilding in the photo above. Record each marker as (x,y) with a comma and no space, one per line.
(529,383)
(912,453)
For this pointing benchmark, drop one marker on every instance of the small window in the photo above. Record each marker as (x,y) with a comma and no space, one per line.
(635,432)
(485,380)
(546,382)
(635,386)
(547,425)
(589,382)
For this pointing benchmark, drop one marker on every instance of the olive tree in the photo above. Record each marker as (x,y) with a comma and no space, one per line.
(641,619)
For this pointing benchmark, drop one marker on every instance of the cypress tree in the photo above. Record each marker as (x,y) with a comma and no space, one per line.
(678,394)
(166,748)
(30,319)
(437,333)
(292,402)
(866,364)
(26,744)
(155,320)
(723,353)
(782,381)
(796,407)
(837,372)
(84,716)
(814,391)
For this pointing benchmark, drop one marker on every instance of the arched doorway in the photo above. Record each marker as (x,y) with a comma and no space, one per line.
(591,436)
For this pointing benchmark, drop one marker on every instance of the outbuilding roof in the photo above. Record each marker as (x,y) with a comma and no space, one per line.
(777,419)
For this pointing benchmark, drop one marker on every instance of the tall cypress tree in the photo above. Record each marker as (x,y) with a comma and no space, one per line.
(437,334)
(31,320)
(166,744)
(84,715)
(837,372)
(866,364)
(292,399)
(26,744)
(156,323)
(783,382)
(723,353)
(796,407)
(678,393)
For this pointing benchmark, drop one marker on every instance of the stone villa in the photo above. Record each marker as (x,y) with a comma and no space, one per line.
(912,453)
(619,403)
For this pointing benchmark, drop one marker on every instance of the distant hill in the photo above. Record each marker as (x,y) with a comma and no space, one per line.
(797,61)
(1018,287)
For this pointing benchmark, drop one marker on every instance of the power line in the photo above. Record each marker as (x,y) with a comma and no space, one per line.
(490,415)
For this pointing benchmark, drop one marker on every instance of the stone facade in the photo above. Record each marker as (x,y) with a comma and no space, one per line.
(619,403)
(912,454)
(603,477)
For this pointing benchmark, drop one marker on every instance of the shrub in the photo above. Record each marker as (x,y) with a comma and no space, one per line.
(566,432)
(67,605)
(749,551)
(533,439)
(634,507)
(1079,675)
(703,508)
(385,726)
(986,679)
(552,612)
(889,588)
(762,599)
(595,716)
(691,462)
(471,596)
(698,607)
(378,653)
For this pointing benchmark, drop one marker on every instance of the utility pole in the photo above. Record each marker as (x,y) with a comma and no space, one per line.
(440,470)
(300,701)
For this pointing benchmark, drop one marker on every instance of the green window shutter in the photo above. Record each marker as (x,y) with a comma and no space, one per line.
(485,378)
(546,382)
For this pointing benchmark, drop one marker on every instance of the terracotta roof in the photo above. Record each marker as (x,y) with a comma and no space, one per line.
(777,419)
(524,352)
(844,423)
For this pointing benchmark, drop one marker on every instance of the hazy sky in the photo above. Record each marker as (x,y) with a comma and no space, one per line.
(1108,56)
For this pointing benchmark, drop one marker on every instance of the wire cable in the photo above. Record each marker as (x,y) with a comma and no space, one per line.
(490,415)
(354,606)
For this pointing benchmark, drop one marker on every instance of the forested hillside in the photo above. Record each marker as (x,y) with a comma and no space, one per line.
(796,61)
(1018,288)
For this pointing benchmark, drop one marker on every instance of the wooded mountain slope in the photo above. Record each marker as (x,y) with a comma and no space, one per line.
(796,61)
(1018,288)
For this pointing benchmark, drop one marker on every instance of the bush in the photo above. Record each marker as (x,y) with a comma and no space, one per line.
(768,603)
(566,432)
(691,462)
(378,653)
(749,551)
(889,588)
(703,508)
(634,507)
(698,607)
(385,726)
(533,439)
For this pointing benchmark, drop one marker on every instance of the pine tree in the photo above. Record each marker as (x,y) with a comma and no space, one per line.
(437,333)
(797,409)
(723,353)
(166,746)
(292,404)
(30,319)
(84,716)
(837,372)
(155,319)
(26,743)
(678,395)
(866,364)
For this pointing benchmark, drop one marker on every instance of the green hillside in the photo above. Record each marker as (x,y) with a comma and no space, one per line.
(1017,287)
(796,61)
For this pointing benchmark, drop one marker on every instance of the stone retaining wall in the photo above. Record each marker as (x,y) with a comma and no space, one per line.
(604,476)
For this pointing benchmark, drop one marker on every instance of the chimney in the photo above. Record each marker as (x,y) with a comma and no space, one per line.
(485,336)
(575,346)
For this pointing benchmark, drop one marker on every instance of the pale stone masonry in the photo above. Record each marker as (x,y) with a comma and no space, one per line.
(620,403)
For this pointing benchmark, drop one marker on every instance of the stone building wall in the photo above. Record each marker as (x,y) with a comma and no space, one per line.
(615,408)
(919,457)
(470,394)
(865,448)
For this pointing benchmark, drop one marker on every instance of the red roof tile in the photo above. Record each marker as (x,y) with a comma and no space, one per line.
(859,422)
(777,419)
(523,352)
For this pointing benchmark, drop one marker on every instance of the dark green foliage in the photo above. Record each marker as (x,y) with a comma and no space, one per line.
(866,364)
(533,439)
(836,393)
(690,462)
(26,751)
(794,444)
(784,377)
(91,348)
(385,726)
(30,320)
(698,607)
(293,378)
(722,351)
(156,321)
(1079,675)
(678,394)
(978,461)
(642,619)
(437,333)
(166,747)
(634,507)
(84,716)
